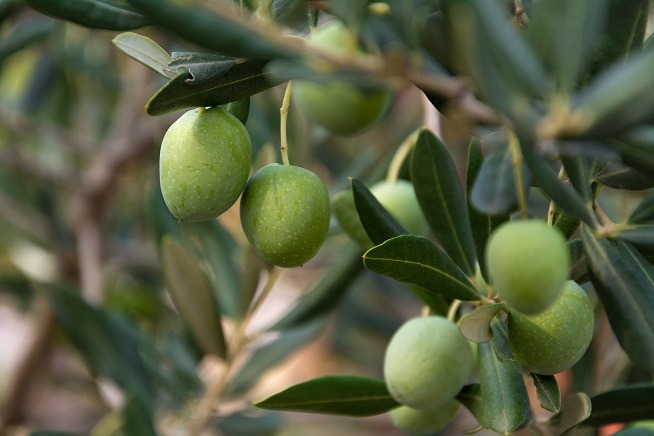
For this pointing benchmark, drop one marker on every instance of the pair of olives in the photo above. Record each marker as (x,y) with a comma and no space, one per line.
(204,167)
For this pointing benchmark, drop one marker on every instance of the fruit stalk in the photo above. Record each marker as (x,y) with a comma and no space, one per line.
(283,112)
(516,161)
(400,155)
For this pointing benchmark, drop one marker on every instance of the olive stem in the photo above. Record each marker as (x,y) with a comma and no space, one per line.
(237,344)
(400,155)
(454,307)
(516,161)
(283,112)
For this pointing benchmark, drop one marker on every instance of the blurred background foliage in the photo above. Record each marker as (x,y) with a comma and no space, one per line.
(91,342)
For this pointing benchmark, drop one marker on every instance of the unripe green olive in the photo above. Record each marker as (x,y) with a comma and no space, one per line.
(420,421)
(427,362)
(398,198)
(341,107)
(528,262)
(555,339)
(285,214)
(204,163)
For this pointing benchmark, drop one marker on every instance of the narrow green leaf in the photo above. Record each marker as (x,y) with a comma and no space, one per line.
(500,340)
(566,197)
(271,354)
(482,224)
(201,66)
(24,35)
(137,419)
(144,50)
(107,345)
(222,30)
(636,148)
(575,410)
(619,176)
(644,212)
(623,404)
(494,190)
(470,396)
(579,270)
(581,171)
(417,260)
(624,280)
(335,395)
(96,14)
(190,291)
(639,235)
(240,81)
(475,325)
(564,222)
(442,200)
(239,108)
(547,391)
(504,395)
(566,47)
(328,291)
(215,252)
(378,222)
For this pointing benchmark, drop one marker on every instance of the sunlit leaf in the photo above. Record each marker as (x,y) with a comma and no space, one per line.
(144,50)
(335,395)
(416,260)
(475,325)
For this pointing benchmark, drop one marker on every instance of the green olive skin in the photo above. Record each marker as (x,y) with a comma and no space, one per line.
(285,214)
(418,421)
(555,339)
(204,164)
(340,107)
(528,262)
(399,198)
(427,362)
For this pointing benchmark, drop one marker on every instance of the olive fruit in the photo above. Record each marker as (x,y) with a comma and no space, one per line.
(555,339)
(427,362)
(285,214)
(341,107)
(204,163)
(398,198)
(528,262)
(419,421)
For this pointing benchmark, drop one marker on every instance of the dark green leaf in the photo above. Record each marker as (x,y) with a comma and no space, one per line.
(644,212)
(201,66)
(334,395)
(475,325)
(604,111)
(242,80)
(566,46)
(328,291)
(250,422)
(624,280)
(579,271)
(564,222)
(24,35)
(637,148)
(504,396)
(470,396)
(221,30)
(639,235)
(581,171)
(619,176)
(97,14)
(442,200)
(109,349)
(623,404)
(144,50)
(190,291)
(416,260)
(271,354)
(239,108)
(378,222)
(500,341)
(482,224)
(547,391)
(494,190)
(282,70)
(566,197)
(215,252)
(137,419)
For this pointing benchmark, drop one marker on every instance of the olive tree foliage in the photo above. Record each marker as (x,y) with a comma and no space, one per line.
(557,99)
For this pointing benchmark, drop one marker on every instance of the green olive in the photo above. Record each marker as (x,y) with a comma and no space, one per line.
(419,421)
(204,163)
(398,198)
(341,107)
(427,362)
(285,214)
(555,339)
(528,262)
